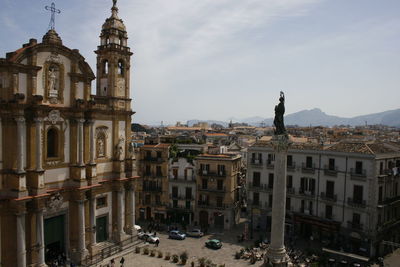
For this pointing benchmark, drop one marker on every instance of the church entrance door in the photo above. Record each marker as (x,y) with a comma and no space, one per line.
(54,237)
(101,229)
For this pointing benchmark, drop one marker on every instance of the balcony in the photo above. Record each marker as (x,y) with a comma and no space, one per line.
(388,200)
(290,190)
(270,165)
(306,211)
(308,168)
(358,174)
(153,159)
(212,189)
(306,193)
(153,175)
(180,207)
(212,173)
(151,189)
(259,187)
(358,203)
(354,225)
(330,170)
(182,180)
(256,163)
(329,197)
(291,167)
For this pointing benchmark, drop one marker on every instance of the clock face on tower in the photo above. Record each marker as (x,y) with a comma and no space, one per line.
(121,87)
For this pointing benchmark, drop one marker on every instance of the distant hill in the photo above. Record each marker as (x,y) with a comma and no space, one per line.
(316,117)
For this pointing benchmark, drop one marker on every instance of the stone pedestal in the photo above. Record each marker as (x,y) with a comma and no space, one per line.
(276,254)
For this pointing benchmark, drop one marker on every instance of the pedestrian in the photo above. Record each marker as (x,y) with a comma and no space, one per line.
(157,242)
(112,262)
(155,234)
(122,261)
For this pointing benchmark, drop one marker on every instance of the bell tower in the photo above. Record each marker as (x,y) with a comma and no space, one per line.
(113,58)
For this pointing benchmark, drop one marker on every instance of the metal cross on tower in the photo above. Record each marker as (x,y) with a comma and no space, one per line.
(53,10)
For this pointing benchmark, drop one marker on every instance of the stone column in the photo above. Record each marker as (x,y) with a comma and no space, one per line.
(276,253)
(92,143)
(81,228)
(21,245)
(20,144)
(40,237)
(39,151)
(120,219)
(80,142)
(130,210)
(92,212)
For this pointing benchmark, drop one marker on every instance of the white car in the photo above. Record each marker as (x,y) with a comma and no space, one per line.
(148,237)
(195,233)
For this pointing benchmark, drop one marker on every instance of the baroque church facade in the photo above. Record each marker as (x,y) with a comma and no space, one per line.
(66,164)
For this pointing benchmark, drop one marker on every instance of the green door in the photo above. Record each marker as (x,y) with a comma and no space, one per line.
(54,236)
(101,229)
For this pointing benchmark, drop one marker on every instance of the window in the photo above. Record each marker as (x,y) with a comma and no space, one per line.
(380,193)
(221,169)
(256,179)
(309,163)
(174,191)
(158,154)
(271,159)
(331,165)
(187,205)
(356,218)
(220,185)
(175,203)
(358,194)
(175,173)
(381,168)
(186,174)
(289,160)
(204,183)
(270,180)
(52,143)
(148,154)
(188,192)
(359,167)
(158,171)
(148,170)
(121,67)
(219,201)
(330,188)
(328,212)
(158,200)
(288,204)
(101,202)
(270,200)
(148,199)
(289,182)
(105,67)
(256,198)
(307,185)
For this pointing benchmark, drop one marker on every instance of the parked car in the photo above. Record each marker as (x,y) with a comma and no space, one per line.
(213,243)
(195,233)
(148,237)
(175,234)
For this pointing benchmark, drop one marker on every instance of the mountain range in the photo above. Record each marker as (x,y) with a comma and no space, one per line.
(316,117)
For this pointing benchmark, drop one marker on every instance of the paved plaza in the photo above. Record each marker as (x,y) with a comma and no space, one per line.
(195,248)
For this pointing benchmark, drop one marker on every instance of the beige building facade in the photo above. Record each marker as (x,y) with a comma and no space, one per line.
(66,164)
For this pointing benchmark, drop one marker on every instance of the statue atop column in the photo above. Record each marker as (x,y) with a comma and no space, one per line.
(114,3)
(279,111)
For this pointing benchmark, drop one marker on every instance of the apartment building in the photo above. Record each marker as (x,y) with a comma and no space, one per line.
(152,192)
(345,195)
(217,190)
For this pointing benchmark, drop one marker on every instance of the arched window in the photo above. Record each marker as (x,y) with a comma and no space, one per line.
(121,67)
(52,143)
(105,67)
(121,42)
(107,41)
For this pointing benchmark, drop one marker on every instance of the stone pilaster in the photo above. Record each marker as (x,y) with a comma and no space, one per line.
(276,254)
(130,211)
(40,238)
(91,171)
(21,151)
(119,233)
(80,142)
(92,214)
(81,251)
(21,243)
(36,177)
(78,172)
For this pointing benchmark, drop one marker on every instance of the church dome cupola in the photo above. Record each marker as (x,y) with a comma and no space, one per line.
(52,37)
(113,30)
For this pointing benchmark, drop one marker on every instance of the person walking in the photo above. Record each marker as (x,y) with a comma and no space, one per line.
(112,262)
(157,242)
(122,261)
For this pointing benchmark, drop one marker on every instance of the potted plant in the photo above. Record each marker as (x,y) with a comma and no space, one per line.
(192,263)
(137,249)
(209,262)
(167,256)
(202,262)
(146,250)
(175,258)
(152,252)
(160,254)
(184,256)
(238,255)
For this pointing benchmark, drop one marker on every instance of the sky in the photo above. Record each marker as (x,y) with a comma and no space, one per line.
(223,59)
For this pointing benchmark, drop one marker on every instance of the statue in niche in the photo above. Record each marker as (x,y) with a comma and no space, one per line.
(279,111)
(100,147)
(119,149)
(52,82)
